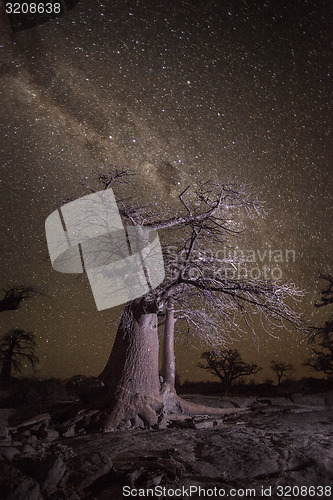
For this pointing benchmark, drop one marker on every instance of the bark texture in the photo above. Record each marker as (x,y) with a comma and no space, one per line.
(168,359)
(131,376)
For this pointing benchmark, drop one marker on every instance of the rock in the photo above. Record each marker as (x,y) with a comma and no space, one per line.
(69,433)
(8,452)
(184,423)
(35,428)
(203,424)
(31,439)
(34,421)
(6,441)
(4,431)
(25,434)
(49,434)
(55,472)
(83,423)
(67,429)
(16,443)
(49,472)
(15,485)
(28,449)
(86,469)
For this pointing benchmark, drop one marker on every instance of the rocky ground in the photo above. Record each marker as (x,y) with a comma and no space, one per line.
(266,443)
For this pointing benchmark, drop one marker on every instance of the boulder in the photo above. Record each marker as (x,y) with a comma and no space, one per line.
(49,434)
(33,421)
(83,423)
(27,449)
(16,443)
(6,441)
(31,439)
(69,433)
(86,469)
(203,424)
(4,431)
(8,452)
(15,485)
(49,472)
(67,429)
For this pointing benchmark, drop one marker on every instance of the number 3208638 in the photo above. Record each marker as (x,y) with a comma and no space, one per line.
(33,8)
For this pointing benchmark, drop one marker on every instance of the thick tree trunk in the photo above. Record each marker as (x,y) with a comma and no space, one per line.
(168,358)
(131,376)
(132,395)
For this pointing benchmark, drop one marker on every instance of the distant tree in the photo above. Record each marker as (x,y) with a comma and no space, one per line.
(16,346)
(327,294)
(322,359)
(281,368)
(228,366)
(13,296)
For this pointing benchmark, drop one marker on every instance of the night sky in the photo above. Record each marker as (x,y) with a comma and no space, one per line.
(180,92)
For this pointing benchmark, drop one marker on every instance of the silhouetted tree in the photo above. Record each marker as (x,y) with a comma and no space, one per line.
(16,346)
(280,368)
(228,366)
(327,294)
(200,290)
(322,359)
(14,296)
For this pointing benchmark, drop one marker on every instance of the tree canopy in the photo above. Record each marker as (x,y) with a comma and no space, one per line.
(17,346)
(322,336)
(280,368)
(201,291)
(228,366)
(14,295)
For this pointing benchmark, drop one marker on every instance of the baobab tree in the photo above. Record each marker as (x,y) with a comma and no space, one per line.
(201,290)
(228,366)
(13,296)
(15,346)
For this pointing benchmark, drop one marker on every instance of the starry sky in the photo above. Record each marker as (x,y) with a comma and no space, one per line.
(180,92)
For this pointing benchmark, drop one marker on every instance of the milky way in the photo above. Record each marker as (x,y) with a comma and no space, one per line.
(179,92)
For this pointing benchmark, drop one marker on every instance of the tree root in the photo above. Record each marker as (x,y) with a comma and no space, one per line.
(140,412)
(193,409)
